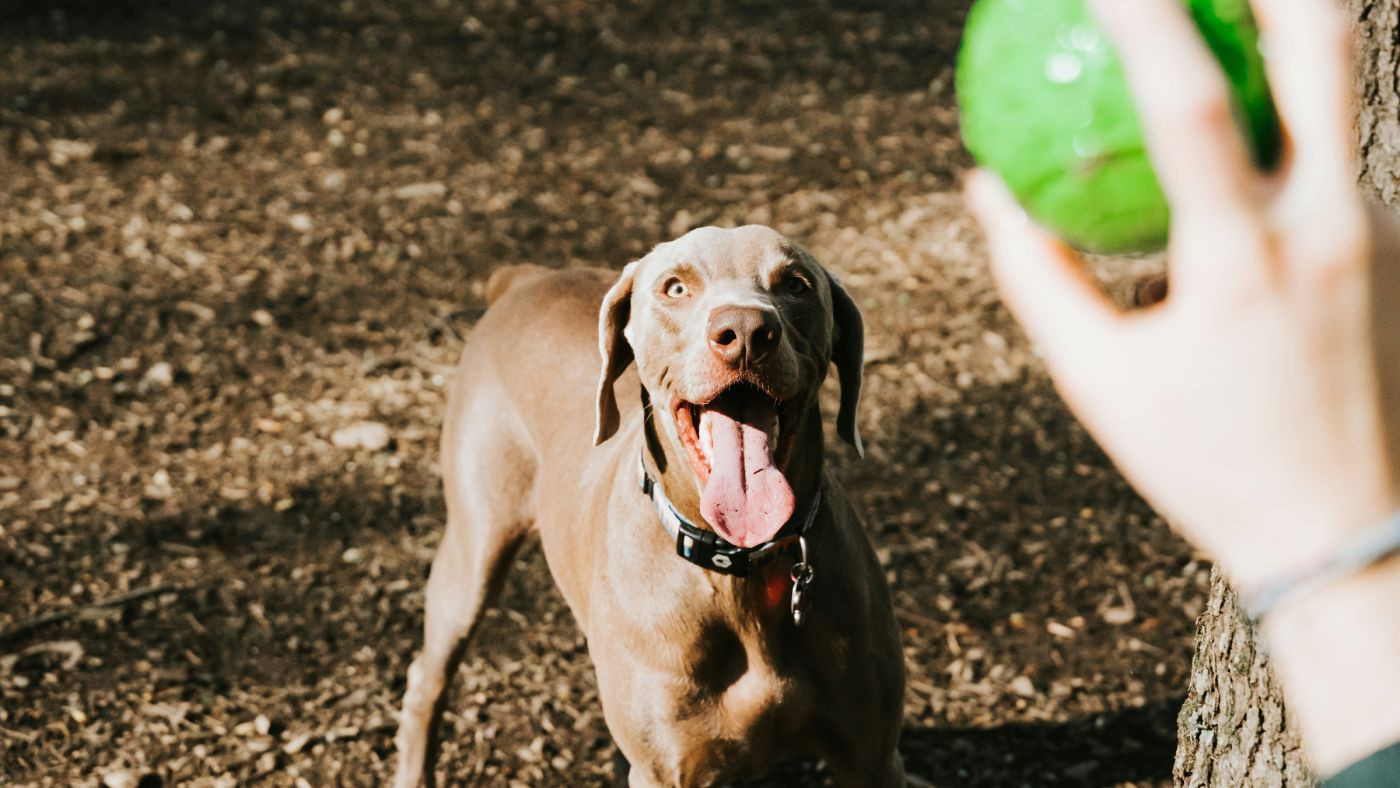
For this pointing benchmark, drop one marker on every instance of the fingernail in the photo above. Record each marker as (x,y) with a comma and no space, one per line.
(1014,217)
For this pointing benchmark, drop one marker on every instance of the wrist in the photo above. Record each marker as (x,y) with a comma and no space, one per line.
(1337,653)
(1303,538)
(1353,554)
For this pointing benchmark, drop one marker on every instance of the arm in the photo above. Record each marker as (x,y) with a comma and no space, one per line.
(1247,407)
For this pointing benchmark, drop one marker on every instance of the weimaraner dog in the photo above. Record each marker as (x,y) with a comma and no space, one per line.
(734,609)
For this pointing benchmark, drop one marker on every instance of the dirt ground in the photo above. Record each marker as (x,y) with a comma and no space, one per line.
(240,244)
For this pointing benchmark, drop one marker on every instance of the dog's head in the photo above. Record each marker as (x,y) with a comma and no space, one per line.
(732,331)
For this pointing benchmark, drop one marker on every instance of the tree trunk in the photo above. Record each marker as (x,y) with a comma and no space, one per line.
(1378,86)
(1233,729)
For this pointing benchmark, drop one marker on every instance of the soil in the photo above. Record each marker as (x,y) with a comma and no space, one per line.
(240,244)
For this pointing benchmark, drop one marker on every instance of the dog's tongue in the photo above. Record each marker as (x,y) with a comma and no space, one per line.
(747,499)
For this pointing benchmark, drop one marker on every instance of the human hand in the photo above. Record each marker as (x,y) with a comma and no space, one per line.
(1246,406)
(1250,405)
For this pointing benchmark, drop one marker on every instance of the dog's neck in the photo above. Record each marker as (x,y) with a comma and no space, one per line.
(666,461)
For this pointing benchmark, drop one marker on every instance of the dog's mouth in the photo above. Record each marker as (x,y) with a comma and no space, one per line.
(733,444)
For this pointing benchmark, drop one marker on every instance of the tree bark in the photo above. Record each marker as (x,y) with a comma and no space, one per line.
(1378,89)
(1234,729)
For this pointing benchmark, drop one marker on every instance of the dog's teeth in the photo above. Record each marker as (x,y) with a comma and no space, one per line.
(707,438)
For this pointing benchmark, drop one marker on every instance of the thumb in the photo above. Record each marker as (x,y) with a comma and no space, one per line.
(1044,284)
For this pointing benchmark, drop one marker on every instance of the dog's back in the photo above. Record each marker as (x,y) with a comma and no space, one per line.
(510,277)
(531,362)
(519,420)
(519,401)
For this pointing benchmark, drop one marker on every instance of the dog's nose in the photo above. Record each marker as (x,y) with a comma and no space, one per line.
(743,335)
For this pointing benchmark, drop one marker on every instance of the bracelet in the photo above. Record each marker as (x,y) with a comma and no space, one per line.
(1358,552)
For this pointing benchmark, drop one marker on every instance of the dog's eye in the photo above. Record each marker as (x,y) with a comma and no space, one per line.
(796,283)
(675,288)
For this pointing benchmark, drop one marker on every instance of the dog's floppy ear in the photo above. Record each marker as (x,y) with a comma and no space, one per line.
(617,353)
(848,354)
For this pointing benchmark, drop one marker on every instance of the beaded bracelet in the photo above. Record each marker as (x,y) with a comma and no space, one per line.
(1359,552)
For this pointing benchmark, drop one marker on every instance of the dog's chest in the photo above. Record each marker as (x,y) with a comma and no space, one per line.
(735,672)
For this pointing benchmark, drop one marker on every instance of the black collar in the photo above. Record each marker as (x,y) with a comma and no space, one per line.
(706,549)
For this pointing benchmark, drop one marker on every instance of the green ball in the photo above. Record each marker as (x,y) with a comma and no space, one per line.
(1045,105)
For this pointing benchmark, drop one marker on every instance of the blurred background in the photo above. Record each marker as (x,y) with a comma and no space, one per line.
(240,244)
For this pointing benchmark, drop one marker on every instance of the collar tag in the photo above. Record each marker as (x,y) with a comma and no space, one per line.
(802,574)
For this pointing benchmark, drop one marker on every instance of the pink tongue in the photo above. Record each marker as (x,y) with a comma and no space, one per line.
(747,499)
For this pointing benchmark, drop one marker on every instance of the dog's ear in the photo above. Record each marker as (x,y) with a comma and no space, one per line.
(848,354)
(616,351)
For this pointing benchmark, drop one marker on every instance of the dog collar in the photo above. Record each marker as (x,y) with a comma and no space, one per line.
(706,549)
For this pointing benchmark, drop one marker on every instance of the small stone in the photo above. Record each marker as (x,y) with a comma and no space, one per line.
(263,318)
(644,186)
(367,435)
(418,191)
(300,222)
(296,744)
(121,778)
(1118,616)
(61,152)
(773,153)
(681,223)
(161,478)
(231,493)
(161,374)
(1022,685)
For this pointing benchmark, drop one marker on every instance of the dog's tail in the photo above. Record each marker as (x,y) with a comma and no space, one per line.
(510,276)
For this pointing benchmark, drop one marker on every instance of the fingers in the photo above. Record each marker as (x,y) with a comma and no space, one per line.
(1196,146)
(1310,72)
(1185,104)
(1043,283)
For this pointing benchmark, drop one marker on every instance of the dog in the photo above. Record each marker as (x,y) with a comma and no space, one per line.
(734,609)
